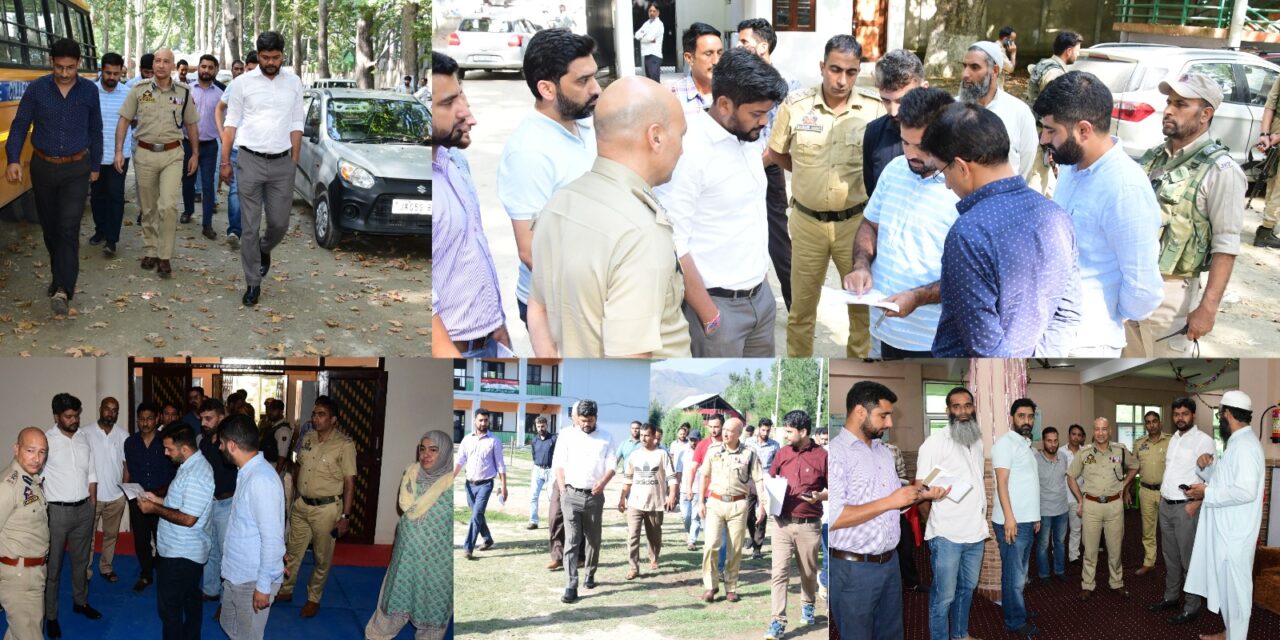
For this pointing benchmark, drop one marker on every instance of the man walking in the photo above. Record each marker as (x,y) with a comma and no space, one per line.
(106,197)
(584,464)
(729,471)
(206,95)
(766,448)
(1016,519)
(481,455)
(797,531)
(647,471)
(107,445)
(71,486)
(544,448)
(264,119)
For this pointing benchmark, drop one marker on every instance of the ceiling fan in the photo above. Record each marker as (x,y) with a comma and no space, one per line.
(1046,364)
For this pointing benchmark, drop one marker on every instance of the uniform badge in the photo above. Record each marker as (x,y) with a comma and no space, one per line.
(1089,459)
(29,496)
(146,97)
(809,123)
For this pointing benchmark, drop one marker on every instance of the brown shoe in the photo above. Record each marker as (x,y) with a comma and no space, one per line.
(1122,592)
(1085,594)
(310,609)
(1143,571)
(283,597)
(149,263)
(709,596)
(217,614)
(163,269)
(631,575)
(554,565)
(732,596)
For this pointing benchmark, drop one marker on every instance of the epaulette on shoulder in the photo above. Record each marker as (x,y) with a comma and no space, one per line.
(802,94)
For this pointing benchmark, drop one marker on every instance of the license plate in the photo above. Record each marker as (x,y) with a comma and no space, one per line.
(411,207)
(485,58)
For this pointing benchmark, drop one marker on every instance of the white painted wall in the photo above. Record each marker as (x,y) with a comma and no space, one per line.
(419,397)
(799,53)
(619,387)
(27,385)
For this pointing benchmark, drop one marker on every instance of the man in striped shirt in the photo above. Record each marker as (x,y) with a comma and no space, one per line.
(106,196)
(898,249)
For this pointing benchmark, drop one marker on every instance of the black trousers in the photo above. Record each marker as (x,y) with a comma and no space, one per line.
(178,597)
(653,68)
(106,199)
(60,191)
(775,202)
(890,352)
(906,555)
(144,539)
(755,528)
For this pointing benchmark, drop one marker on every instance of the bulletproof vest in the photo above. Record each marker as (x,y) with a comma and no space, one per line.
(1185,235)
(1037,72)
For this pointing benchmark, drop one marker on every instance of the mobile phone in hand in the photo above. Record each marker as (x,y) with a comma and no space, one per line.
(1184,487)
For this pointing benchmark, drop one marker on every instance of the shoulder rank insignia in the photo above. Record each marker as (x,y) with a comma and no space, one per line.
(1089,459)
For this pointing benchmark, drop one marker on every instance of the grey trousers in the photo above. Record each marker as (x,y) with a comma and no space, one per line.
(73,527)
(238,618)
(746,327)
(1177,535)
(266,186)
(582,519)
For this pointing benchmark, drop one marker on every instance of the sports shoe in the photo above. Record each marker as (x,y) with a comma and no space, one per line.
(233,239)
(776,629)
(806,614)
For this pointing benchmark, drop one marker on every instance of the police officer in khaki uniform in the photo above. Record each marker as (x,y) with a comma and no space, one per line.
(1150,451)
(818,136)
(1201,193)
(161,107)
(325,487)
(1108,468)
(24,537)
(1265,234)
(606,282)
(727,474)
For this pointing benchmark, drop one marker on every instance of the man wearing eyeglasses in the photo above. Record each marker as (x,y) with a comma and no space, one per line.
(1108,468)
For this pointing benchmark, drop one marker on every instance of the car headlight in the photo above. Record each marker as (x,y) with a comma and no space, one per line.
(355,174)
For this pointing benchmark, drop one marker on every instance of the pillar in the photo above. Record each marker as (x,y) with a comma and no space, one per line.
(995,384)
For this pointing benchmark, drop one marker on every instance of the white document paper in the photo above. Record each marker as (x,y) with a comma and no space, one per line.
(871,298)
(775,488)
(132,490)
(959,488)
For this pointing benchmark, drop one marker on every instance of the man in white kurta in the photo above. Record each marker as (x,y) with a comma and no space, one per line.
(1230,518)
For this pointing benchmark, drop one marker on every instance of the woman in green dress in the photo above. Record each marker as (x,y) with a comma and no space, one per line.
(418,588)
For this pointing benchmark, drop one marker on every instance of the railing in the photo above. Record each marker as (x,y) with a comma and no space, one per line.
(543,389)
(1212,14)
(464,383)
(499,385)
(1264,18)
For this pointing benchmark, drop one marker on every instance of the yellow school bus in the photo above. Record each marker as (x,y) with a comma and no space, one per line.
(27,29)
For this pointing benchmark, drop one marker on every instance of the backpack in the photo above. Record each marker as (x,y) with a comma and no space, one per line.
(1037,74)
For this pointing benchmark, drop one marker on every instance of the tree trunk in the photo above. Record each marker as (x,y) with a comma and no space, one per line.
(365,60)
(140,23)
(127,49)
(273,16)
(956,25)
(297,37)
(231,26)
(322,42)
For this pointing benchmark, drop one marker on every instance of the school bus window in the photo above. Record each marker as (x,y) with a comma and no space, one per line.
(37,37)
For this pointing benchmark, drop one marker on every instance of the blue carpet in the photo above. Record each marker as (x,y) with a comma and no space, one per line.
(349,599)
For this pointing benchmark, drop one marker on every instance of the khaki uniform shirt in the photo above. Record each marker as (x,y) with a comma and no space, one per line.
(1103,469)
(1272,97)
(324,466)
(825,148)
(1221,196)
(161,115)
(1150,456)
(605,268)
(733,472)
(24,515)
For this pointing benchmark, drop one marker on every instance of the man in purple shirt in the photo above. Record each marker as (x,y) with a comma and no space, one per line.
(481,455)
(866,495)
(467,320)
(207,95)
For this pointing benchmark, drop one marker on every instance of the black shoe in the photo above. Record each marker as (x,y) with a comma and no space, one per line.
(141,584)
(757,555)
(590,583)
(209,233)
(570,596)
(1028,630)
(52,629)
(110,577)
(266,264)
(251,296)
(109,249)
(186,217)
(96,239)
(87,611)
(1184,618)
(1264,237)
(1163,605)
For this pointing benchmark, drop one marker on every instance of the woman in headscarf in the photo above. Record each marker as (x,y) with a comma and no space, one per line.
(418,588)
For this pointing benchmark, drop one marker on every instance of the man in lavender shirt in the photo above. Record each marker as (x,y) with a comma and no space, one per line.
(481,455)
(866,585)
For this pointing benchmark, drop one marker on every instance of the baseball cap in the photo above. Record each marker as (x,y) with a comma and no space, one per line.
(1194,85)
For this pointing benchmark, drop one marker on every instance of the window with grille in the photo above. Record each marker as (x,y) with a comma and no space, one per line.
(793,15)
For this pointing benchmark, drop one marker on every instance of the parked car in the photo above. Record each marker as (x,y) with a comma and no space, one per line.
(333,83)
(491,43)
(1134,71)
(363,164)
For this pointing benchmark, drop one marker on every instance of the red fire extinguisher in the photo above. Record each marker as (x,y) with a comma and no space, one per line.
(1275,425)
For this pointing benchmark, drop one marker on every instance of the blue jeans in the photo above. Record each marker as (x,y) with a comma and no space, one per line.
(539,478)
(233,198)
(478,501)
(211,583)
(1013,572)
(955,575)
(205,175)
(826,557)
(692,521)
(1055,528)
(866,599)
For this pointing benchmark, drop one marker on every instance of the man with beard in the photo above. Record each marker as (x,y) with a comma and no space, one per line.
(107,443)
(1150,450)
(1016,516)
(1108,468)
(917,211)
(716,202)
(481,455)
(702,49)
(71,487)
(147,466)
(1204,210)
(212,415)
(106,194)
(797,531)
(1178,513)
(1115,213)
(1009,284)
(815,137)
(625,449)
(866,586)
(467,320)
(195,398)
(555,144)
(1227,533)
(584,464)
(1053,507)
(767,449)
(1075,440)
(647,477)
(980,85)
(543,446)
(206,96)
(957,527)
(897,74)
(1066,49)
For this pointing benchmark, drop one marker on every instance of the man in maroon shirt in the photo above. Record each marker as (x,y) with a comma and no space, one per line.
(798,530)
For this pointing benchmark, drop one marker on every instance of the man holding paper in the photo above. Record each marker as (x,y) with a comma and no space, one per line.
(802,468)
(1017,516)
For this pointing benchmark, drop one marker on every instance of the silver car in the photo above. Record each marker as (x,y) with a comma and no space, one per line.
(491,43)
(364,164)
(333,83)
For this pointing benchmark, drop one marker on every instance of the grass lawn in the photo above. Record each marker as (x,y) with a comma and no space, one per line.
(508,592)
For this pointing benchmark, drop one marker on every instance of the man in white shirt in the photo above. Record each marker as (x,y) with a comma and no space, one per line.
(107,445)
(979,84)
(957,526)
(1075,440)
(1178,513)
(584,464)
(650,36)
(264,119)
(716,203)
(71,487)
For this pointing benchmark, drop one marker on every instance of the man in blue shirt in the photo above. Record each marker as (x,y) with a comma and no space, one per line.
(66,156)
(107,193)
(212,415)
(145,464)
(544,447)
(1009,281)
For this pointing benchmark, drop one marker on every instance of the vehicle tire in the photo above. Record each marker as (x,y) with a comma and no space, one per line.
(326,229)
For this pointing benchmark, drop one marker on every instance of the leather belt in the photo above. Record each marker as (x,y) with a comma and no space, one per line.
(60,159)
(1102,499)
(787,520)
(717,292)
(315,502)
(69,504)
(1153,487)
(159,147)
(22,562)
(267,156)
(577,489)
(863,557)
(480,482)
(224,496)
(716,496)
(467,346)
(1168,501)
(829,216)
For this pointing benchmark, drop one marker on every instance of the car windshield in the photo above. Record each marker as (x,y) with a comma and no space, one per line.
(378,121)
(487,25)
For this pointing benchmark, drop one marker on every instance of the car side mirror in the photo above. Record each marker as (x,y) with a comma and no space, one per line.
(311,131)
